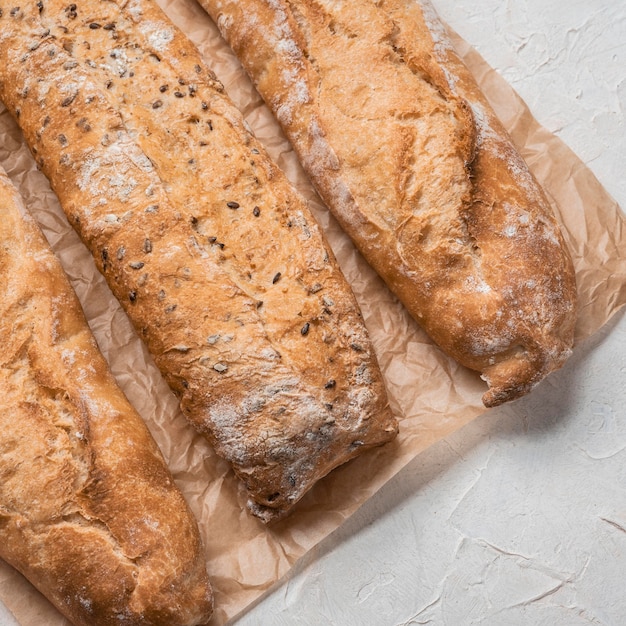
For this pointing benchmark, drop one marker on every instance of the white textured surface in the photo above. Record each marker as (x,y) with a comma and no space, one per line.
(519,518)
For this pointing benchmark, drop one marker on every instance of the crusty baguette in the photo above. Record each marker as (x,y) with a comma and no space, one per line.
(411,159)
(89,512)
(215,257)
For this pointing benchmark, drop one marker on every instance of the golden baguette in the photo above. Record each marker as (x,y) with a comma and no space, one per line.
(214,256)
(89,512)
(407,153)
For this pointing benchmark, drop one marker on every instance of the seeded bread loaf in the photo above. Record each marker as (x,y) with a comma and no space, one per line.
(89,512)
(411,159)
(216,259)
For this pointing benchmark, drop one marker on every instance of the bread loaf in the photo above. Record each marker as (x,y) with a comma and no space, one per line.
(411,159)
(89,512)
(214,256)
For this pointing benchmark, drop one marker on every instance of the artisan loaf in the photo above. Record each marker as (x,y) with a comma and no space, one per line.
(214,256)
(89,512)
(409,156)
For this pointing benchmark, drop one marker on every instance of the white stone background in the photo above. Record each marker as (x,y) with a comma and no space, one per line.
(518,519)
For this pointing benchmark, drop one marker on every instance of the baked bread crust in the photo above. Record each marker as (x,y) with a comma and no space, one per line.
(89,512)
(214,256)
(409,156)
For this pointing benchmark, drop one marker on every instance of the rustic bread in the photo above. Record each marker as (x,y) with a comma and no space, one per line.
(89,512)
(214,256)
(411,159)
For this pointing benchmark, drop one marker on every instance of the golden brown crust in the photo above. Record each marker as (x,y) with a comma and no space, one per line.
(214,256)
(89,512)
(407,153)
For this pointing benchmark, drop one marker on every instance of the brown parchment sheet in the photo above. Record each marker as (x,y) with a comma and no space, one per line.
(431,395)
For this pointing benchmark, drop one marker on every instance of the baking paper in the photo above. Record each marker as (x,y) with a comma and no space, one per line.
(430,394)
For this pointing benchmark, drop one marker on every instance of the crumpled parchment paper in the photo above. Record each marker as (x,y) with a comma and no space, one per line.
(431,395)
